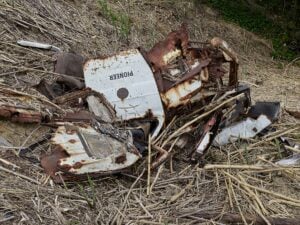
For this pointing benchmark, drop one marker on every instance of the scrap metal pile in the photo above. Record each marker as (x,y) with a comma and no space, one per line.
(107,112)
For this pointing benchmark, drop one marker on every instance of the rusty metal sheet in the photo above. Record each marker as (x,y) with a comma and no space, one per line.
(20,114)
(182,93)
(229,56)
(81,149)
(164,52)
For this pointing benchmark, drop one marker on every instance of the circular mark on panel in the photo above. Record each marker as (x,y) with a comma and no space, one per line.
(122,93)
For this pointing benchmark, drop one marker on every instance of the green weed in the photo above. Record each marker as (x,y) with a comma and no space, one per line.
(120,20)
(256,21)
(89,196)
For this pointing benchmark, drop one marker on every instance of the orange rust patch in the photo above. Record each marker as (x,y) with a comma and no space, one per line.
(72,141)
(77,165)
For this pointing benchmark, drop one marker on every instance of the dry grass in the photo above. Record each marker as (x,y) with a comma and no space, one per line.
(245,182)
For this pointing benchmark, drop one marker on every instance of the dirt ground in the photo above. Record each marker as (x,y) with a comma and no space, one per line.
(180,193)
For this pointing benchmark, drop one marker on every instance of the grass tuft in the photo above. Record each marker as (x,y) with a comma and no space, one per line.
(120,20)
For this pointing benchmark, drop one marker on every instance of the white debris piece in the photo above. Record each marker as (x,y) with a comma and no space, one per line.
(204,143)
(33,44)
(244,129)
(293,160)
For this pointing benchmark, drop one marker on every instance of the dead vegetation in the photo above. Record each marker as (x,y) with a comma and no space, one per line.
(240,183)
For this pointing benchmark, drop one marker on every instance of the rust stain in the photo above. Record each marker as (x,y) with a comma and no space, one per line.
(72,141)
(175,40)
(17,114)
(120,159)
(50,162)
(77,165)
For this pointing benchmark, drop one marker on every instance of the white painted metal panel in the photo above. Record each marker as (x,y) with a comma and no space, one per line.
(72,144)
(127,82)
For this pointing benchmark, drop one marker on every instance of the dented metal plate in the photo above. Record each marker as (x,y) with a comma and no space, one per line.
(89,151)
(127,82)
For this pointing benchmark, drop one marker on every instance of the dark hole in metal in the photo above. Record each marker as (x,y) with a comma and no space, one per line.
(122,93)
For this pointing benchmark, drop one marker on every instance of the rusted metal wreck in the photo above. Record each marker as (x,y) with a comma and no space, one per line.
(179,89)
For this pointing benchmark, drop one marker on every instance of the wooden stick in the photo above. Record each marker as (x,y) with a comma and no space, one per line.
(226,166)
(292,149)
(180,193)
(143,207)
(149,222)
(273,137)
(237,203)
(261,215)
(31,96)
(253,195)
(160,169)
(9,163)
(163,155)
(149,166)
(247,167)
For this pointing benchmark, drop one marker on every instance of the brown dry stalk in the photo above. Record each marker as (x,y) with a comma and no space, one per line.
(19,175)
(8,90)
(263,190)
(149,167)
(175,134)
(254,196)
(273,137)
(9,163)
(180,193)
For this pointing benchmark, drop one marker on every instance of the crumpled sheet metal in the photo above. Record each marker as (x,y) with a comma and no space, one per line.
(270,109)
(182,75)
(146,85)
(230,56)
(244,129)
(80,150)
(292,160)
(259,116)
(22,107)
(209,132)
(99,109)
(164,52)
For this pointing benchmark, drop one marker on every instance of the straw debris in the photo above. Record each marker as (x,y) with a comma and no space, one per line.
(240,183)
